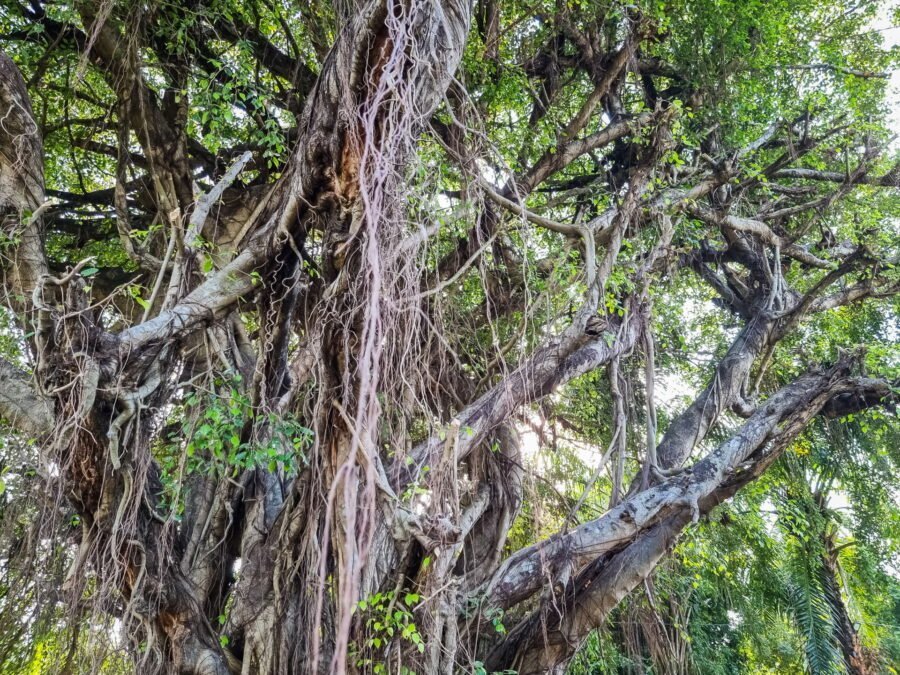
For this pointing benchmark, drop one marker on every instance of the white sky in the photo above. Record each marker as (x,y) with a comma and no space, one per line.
(891,35)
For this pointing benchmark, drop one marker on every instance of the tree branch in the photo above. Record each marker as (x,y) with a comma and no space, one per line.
(619,549)
(20,404)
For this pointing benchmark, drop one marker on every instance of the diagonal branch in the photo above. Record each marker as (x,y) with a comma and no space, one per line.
(613,553)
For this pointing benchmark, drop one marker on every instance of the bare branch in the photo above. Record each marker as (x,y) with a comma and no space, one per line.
(890,179)
(840,70)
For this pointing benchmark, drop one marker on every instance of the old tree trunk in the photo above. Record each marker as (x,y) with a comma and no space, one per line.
(285,284)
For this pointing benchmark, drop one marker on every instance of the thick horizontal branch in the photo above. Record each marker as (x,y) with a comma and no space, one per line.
(866,393)
(531,217)
(856,292)
(761,231)
(855,72)
(890,179)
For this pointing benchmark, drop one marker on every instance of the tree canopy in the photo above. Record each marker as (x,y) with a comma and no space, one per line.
(438,336)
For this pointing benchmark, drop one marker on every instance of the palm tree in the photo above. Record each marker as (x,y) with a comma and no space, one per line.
(816,584)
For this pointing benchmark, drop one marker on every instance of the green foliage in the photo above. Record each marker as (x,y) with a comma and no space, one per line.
(748,584)
(213,430)
(753,578)
(387,617)
(211,439)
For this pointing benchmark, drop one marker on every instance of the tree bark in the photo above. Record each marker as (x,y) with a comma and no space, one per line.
(266,569)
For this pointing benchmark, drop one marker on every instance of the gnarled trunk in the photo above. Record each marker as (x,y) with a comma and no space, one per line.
(384,539)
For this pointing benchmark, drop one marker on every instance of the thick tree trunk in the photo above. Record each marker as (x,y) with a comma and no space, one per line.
(266,571)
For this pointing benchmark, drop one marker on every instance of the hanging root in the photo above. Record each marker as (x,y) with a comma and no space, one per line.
(131,402)
(691,502)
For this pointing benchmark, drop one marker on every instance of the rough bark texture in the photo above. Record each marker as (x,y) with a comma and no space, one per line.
(264,570)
